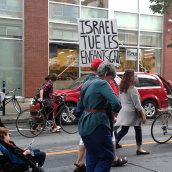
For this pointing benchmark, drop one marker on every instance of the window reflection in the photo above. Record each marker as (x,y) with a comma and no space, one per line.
(93,13)
(150,61)
(61,56)
(67,1)
(95,3)
(128,59)
(63,13)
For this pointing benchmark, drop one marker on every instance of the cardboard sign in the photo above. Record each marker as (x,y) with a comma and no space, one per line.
(131,54)
(98,38)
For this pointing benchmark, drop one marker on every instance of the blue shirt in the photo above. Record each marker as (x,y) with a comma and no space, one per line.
(97,96)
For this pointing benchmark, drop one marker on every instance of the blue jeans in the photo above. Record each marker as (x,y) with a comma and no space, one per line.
(38,156)
(100,151)
(124,131)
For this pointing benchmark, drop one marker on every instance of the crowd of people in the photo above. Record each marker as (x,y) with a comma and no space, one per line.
(95,125)
(106,109)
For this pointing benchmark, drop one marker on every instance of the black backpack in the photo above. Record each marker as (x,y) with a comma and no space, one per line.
(37,95)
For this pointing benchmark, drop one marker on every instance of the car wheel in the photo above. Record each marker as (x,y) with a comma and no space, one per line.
(65,118)
(150,108)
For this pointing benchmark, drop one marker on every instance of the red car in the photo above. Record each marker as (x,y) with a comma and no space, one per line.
(152,88)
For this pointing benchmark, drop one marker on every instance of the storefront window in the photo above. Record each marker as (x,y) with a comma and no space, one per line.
(128,59)
(126,20)
(128,6)
(61,56)
(153,23)
(11,8)
(63,32)
(148,39)
(63,13)
(95,3)
(128,38)
(10,28)
(11,64)
(93,13)
(67,1)
(150,61)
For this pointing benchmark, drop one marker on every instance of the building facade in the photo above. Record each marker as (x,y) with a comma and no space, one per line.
(40,37)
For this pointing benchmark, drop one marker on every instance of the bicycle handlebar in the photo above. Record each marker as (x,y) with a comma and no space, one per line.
(12,91)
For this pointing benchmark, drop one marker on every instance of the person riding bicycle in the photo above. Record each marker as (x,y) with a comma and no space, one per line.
(47,93)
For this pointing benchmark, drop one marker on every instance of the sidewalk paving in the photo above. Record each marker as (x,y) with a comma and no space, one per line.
(11,114)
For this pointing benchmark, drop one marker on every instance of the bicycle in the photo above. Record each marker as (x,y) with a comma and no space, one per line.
(13,100)
(162,124)
(30,118)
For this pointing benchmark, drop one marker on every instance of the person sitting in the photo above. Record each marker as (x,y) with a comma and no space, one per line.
(37,154)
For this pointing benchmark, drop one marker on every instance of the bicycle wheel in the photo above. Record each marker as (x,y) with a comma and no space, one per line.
(71,122)
(16,105)
(161,127)
(28,120)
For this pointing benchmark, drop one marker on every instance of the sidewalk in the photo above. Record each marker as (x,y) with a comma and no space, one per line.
(11,113)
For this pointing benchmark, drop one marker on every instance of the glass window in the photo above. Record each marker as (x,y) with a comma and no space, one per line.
(147,81)
(11,64)
(153,23)
(128,59)
(144,7)
(150,39)
(126,20)
(63,32)
(63,13)
(128,38)
(11,8)
(61,56)
(93,13)
(95,3)
(130,6)
(10,28)
(150,61)
(67,1)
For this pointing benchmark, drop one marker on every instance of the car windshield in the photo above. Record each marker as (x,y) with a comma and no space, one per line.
(76,83)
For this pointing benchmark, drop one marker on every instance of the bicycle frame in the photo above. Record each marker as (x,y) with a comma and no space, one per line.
(62,104)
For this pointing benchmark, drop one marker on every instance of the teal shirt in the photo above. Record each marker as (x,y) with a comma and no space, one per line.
(97,96)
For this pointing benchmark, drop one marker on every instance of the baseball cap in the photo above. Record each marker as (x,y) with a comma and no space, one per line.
(96,63)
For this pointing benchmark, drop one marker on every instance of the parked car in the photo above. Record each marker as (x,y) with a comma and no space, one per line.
(151,87)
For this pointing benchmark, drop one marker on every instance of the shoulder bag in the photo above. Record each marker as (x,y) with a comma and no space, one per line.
(79,110)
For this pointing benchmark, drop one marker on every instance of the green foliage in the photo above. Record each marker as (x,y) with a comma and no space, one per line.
(162,7)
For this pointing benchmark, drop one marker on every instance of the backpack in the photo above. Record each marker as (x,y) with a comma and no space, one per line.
(37,95)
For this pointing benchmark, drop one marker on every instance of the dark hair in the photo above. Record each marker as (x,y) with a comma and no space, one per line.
(94,69)
(53,77)
(47,77)
(128,80)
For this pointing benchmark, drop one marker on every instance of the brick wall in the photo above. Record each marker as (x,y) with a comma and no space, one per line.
(167,54)
(36,45)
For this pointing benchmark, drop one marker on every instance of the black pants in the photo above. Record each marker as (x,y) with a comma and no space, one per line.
(1,124)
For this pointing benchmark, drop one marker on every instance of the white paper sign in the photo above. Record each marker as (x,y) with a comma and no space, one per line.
(131,54)
(2,96)
(98,38)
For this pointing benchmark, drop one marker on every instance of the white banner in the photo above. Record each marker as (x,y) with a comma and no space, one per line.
(98,38)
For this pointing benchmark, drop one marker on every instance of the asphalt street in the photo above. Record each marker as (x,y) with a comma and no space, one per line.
(62,151)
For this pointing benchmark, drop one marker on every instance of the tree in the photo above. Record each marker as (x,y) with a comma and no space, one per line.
(162,7)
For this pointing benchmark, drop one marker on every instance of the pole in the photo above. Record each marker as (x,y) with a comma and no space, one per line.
(3,89)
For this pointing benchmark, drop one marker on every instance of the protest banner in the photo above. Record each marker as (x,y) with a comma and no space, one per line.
(98,38)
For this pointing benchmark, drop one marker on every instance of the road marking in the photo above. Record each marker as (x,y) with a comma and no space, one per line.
(72,151)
